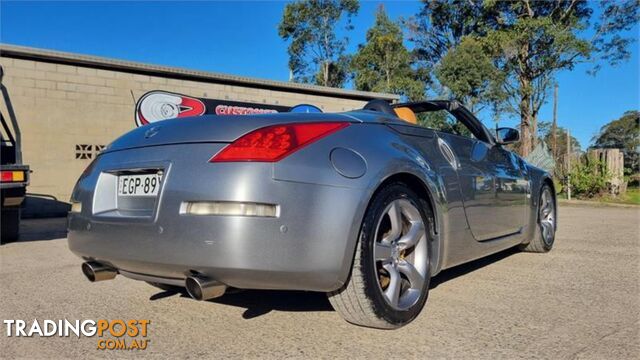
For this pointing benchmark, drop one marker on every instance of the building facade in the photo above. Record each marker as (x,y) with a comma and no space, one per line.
(69,106)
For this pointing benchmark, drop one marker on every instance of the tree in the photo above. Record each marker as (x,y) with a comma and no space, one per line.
(383,63)
(529,41)
(316,54)
(470,76)
(441,25)
(545,133)
(622,133)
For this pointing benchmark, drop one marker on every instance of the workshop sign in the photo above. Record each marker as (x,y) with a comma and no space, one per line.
(160,105)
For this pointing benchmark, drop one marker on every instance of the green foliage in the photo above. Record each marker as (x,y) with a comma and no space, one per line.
(558,185)
(383,63)
(316,54)
(338,72)
(443,121)
(623,133)
(471,76)
(632,196)
(589,179)
(441,25)
(528,41)
(545,134)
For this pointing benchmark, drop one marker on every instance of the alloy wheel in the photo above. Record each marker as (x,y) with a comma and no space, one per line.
(547,216)
(400,254)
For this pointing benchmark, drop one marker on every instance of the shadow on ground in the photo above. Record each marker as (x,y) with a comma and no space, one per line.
(43,229)
(261,302)
(464,269)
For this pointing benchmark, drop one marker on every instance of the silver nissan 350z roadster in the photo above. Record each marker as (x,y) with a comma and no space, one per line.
(365,205)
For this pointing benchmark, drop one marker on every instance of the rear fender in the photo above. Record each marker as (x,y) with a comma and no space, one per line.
(391,157)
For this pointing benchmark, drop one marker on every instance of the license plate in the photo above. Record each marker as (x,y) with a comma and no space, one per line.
(139,185)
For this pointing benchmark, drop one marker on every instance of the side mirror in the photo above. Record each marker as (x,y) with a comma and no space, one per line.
(507,135)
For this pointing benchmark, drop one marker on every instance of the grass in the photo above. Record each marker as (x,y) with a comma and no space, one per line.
(631,197)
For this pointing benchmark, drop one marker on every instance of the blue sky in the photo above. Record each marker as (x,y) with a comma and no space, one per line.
(241,38)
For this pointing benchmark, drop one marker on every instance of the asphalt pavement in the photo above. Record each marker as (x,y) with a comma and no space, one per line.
(581,300)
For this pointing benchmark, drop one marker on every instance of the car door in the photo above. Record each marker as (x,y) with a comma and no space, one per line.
(494,190)
(493,187)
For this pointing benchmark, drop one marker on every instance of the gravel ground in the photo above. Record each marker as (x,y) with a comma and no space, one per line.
(581,300)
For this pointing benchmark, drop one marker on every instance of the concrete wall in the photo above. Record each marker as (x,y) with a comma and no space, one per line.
(62,106)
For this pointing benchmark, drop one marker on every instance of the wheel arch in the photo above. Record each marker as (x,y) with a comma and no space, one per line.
(418,185)
(547,180)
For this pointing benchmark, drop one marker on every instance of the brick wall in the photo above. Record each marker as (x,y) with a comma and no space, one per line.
(66,111)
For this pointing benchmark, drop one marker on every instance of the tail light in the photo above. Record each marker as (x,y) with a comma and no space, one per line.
(273,143)
(9,176)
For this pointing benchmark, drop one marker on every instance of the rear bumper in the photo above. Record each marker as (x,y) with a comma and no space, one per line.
(308,247)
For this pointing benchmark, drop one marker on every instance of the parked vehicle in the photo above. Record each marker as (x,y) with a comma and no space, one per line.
(364,205)
(14,174)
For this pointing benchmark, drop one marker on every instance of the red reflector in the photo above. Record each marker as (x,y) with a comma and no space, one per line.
(7,176)
(273,143)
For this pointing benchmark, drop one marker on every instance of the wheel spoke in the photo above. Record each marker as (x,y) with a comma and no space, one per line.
(413,236)
(395,283)
(547,228)
(545,210)
(546,207)
(382,252)
(416,280)
(543,204)
(549,208)
(395,216)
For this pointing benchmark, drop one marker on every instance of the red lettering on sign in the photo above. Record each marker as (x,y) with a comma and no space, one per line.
(241,110)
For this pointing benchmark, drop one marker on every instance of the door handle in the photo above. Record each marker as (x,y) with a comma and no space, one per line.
(448,154)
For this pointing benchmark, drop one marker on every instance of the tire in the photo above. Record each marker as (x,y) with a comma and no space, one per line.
(380,262)
(10,225)
(545,233)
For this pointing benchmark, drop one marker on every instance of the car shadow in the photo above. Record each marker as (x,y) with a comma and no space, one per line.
(261,302)
(463,269)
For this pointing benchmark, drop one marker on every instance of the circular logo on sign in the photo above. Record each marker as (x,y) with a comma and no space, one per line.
(161,105)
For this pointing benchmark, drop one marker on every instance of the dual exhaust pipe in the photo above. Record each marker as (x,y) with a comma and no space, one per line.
(199,287)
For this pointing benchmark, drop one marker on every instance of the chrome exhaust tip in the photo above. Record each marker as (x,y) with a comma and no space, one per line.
(202,288)
(94,271)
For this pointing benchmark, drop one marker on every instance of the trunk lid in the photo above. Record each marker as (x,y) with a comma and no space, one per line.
(209,129)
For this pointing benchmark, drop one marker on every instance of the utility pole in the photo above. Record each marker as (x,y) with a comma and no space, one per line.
(554,126)
(568,165)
